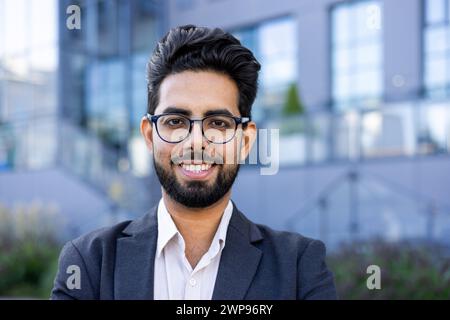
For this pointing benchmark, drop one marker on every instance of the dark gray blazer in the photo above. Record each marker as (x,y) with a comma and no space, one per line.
(256,263)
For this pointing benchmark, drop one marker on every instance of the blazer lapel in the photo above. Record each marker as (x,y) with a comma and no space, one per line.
(135,257)
(239,260)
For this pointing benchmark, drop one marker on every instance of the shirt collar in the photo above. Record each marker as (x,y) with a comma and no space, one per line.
(167,228)
(221,233)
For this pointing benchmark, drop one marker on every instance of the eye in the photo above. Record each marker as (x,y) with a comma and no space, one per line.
(218,124)
(174,122)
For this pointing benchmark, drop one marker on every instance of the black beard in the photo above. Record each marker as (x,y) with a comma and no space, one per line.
(196,194)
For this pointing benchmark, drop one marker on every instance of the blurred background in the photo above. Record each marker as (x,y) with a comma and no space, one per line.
(360,91)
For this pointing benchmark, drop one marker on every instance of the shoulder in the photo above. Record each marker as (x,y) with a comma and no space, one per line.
(314,279)
(99,240)
(105,239)
(292,242)
(82,258)
(92,250)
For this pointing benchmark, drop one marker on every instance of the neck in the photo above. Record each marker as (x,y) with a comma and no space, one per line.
(197,225)
(196,222)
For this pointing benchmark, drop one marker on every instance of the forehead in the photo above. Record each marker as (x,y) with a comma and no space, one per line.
(198,92)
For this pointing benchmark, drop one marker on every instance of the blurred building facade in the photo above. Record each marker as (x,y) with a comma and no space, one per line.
(365,155)
(70,106)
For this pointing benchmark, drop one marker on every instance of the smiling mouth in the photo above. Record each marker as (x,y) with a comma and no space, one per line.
(196,171)
(196,167)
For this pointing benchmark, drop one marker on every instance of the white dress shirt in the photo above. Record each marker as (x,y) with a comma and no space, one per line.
(174,277)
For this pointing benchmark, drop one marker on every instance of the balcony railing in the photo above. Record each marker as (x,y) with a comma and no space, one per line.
(49,142)
(393,130)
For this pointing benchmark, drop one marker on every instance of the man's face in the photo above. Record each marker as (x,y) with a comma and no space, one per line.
(195,95)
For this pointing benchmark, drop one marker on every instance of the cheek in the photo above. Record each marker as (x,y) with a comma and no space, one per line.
(162,152)
(229,151)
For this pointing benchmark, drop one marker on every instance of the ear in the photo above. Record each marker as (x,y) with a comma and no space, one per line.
(147,132)
(248,139)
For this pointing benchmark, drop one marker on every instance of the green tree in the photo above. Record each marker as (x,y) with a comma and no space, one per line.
(292,121)
(292,104)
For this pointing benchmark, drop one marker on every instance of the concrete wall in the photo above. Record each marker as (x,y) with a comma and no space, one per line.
(80,207)
(402,48)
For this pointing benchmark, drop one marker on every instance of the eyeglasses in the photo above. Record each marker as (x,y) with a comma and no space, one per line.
(175,127)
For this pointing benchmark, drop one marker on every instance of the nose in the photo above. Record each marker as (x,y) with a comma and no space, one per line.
(196,135)
(196,142)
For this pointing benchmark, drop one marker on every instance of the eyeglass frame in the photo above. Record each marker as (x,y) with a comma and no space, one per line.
(237,120)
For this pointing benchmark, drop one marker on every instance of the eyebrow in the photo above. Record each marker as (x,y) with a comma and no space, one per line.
(177,110)
(218,111)
(173,109)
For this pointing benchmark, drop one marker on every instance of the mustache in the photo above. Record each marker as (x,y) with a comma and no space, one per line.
(196,157)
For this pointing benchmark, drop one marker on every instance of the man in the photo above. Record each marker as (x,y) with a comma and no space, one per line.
(196,244)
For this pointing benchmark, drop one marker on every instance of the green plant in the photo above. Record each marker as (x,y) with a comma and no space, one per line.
(408,270)
(29,249)
(292,104)
(292,120)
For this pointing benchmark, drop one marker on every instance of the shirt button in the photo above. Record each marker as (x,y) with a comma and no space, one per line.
(192,282)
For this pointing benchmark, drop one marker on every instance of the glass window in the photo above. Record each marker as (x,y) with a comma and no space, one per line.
(28,58)
(436,40)
(434,130)
(437,48)
(107,27)
(109,78)
(46,33)
(139,94)
(356,57)
(28,83)
(106,107)
(435,11)
(389,132)
(145,25)
(15,26)
(274,44)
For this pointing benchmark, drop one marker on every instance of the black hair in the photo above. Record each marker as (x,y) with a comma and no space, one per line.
(197,49)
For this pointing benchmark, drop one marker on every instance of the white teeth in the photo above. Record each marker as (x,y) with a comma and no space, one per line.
(196,167)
